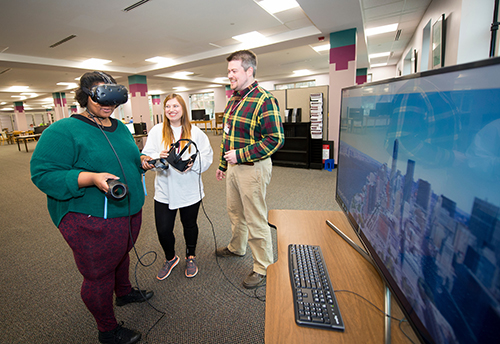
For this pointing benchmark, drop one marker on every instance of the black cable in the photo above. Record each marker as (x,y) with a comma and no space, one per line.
(215,238)
(380,310)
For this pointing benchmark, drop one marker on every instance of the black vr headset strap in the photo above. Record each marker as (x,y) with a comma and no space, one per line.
(177,144)
(106,78)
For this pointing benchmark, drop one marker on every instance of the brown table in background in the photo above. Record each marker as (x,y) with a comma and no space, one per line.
(348,270)
(204,122)
(25,138)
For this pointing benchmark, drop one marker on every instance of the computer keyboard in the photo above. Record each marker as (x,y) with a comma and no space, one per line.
(314,300)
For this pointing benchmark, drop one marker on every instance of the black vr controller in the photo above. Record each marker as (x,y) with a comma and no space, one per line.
(117,190)
(159,163)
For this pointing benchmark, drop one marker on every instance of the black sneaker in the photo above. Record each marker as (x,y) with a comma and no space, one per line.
(135,295)
(120,335)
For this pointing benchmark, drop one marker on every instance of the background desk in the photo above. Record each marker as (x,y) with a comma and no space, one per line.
(348,270)
(208,121)
(25,138)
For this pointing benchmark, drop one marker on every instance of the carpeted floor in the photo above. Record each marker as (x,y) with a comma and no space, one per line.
(40,285)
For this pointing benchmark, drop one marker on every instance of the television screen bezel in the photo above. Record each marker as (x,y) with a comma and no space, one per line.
(415,322)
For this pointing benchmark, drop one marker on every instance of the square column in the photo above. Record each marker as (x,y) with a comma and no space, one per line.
(342,74)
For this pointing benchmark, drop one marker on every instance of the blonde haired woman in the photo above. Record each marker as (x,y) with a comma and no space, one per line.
(175,189)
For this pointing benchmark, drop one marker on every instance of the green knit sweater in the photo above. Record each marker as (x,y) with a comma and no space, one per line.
(70,146)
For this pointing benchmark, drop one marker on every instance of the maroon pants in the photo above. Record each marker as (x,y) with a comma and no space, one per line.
(100,247)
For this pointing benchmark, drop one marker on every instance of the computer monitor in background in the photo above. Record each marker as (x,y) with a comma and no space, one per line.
(198,115)
(421,188)
(140,128)
(39,129)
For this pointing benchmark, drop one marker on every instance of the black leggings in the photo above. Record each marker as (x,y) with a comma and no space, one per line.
(165,220)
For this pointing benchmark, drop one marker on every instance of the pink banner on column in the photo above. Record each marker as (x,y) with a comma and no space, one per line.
(135,88)
(361,79)
(342,55)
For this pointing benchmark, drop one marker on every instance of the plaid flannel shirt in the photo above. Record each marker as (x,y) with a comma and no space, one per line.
(255,129)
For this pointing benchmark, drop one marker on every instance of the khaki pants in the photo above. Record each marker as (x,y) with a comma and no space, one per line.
(246,205)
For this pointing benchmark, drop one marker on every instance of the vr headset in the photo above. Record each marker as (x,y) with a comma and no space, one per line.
(108,94)
(175,160)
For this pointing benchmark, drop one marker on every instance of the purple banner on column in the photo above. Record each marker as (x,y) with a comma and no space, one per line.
(360,79)
(156,100)
(142,88)
(342,55)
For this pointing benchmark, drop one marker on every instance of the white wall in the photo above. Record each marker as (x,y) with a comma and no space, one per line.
(475,34)
(382,73)
(453,13)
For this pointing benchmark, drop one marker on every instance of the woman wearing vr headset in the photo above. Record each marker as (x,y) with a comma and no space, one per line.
(175,189)
(73,162)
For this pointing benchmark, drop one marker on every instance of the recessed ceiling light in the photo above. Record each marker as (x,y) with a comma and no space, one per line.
(69,84)
(180,88)
(275,6)
(374,56)
(250,37)
(96,62)
(17,88)
(221,80)
(20,97)
(301,72)
(182,74)
(31,95)
(322,47)
(159,59)
(378,65)
(381,29)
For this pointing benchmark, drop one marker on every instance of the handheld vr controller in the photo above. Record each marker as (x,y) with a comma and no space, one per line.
(117,190)
(159,163)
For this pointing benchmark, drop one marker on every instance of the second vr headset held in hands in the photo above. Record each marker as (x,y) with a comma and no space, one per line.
(174,159)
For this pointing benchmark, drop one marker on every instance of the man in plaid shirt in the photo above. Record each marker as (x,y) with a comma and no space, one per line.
(252,133)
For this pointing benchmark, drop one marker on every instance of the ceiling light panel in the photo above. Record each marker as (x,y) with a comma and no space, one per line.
(276,6)
(249,37)
(381,29)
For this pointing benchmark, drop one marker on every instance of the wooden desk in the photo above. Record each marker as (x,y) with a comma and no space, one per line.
(348,270)
(25,138)
(204,122)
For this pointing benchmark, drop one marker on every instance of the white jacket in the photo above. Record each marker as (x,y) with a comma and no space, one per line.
(179,189)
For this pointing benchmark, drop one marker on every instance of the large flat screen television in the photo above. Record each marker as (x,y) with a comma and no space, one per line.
(198,115)
(419,179)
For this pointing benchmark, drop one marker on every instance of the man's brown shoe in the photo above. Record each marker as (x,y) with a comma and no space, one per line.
(254,280)
(224,252)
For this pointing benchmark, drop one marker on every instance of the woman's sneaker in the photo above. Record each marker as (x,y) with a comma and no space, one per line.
(167,268)
(191,268)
